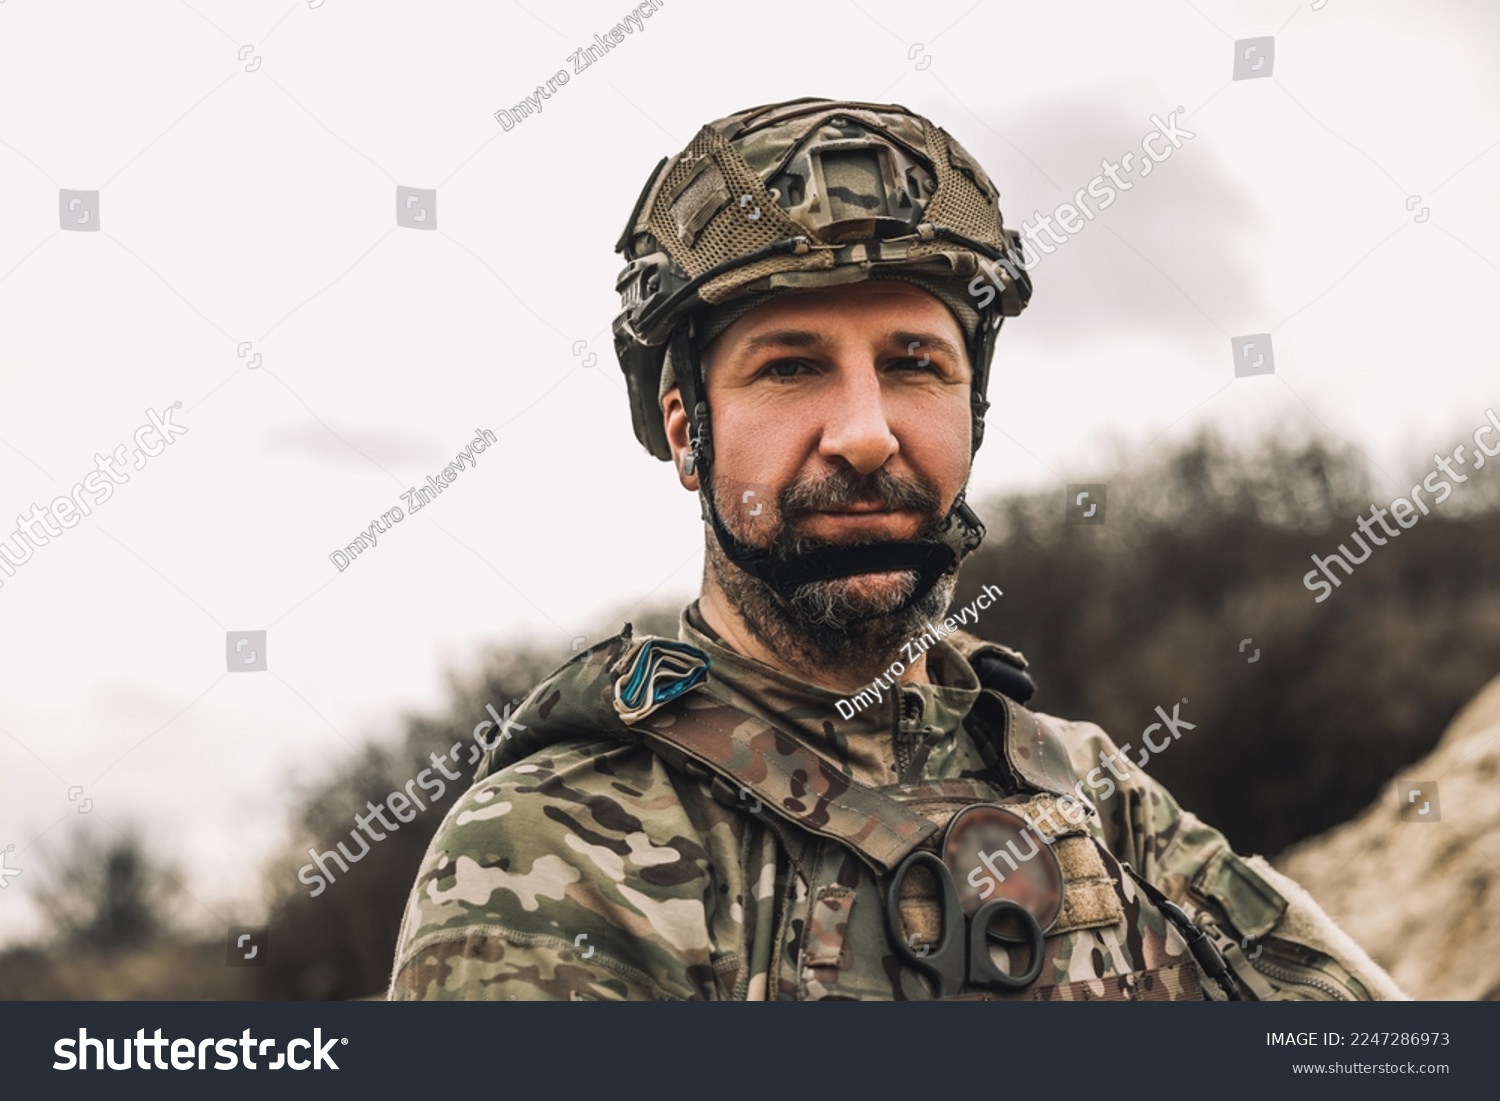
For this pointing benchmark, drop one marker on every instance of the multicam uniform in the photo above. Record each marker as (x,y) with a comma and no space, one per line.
(736,843)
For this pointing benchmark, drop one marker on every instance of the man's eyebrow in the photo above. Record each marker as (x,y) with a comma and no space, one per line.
(783,338)
(804,338)
(924,340)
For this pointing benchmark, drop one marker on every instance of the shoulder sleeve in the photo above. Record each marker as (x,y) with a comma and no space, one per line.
(576,874)
(1269,928)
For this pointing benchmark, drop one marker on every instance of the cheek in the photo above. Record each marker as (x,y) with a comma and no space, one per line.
(935,439)
(753,445)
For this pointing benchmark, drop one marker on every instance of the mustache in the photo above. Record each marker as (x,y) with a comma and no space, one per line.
(846,488)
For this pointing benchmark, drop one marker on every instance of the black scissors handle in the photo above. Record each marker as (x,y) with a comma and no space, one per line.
(946,961)
(982,967)
(958,958)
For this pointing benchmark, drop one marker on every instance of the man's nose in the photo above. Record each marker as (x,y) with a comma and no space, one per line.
(856,428)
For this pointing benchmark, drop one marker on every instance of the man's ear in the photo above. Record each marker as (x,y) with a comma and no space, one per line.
(674,415)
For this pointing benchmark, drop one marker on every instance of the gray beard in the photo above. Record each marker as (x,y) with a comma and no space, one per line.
(825,622)
(831,622)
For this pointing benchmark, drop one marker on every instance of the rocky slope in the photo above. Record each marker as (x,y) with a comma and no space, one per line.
(1422,892)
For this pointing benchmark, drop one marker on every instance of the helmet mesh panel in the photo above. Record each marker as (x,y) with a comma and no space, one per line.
(730,232)
(958,203)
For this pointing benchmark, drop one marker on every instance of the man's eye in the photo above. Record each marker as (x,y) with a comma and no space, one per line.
(919,363)
(785,368)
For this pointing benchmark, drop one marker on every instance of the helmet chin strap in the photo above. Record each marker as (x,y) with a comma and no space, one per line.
(932,558)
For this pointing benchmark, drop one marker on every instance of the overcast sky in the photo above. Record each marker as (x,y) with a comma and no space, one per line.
(1346,205)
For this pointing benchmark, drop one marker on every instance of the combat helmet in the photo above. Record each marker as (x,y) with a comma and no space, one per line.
(809,193)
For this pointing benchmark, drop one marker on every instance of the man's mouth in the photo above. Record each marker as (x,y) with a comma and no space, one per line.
(864,519)
(873,506)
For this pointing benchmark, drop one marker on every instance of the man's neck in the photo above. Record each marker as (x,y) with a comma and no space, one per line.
(843,676)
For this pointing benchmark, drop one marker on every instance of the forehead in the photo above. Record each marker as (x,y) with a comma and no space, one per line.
(874,306)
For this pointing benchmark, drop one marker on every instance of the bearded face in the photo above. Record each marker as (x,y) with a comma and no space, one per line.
(841,419)
(859,618)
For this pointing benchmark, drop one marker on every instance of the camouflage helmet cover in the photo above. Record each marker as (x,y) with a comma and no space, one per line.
(807,193)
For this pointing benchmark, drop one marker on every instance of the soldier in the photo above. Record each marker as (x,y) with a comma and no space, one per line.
(825,787)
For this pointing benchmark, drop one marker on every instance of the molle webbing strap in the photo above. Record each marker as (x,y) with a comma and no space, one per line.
(706,739)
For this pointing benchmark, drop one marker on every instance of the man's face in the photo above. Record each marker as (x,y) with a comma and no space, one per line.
(847,409)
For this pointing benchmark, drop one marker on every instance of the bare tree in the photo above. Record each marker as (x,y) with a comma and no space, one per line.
(109,896)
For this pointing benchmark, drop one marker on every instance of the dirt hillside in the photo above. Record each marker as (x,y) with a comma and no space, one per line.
(1423,896)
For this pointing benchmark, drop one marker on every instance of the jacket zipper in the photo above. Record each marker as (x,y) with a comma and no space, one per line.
(909,713)
(1301,976)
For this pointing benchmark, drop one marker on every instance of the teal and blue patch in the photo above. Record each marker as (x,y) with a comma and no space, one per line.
(661,671)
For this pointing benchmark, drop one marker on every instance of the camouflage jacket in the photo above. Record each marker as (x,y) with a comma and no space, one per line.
(592,861)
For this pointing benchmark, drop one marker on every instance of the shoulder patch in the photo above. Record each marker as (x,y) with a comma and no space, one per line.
(655,672)
(1252,904)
